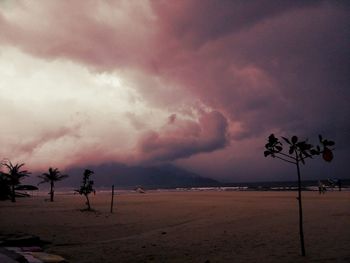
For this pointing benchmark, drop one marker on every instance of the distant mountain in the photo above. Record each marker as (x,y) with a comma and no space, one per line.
(121,175)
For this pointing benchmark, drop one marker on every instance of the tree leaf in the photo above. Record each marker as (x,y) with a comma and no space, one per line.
(287,141)
(308,146)
(272,136)
(291,150)
(330,143)
(279,148)
(294,139)
(267,153)
(272,139)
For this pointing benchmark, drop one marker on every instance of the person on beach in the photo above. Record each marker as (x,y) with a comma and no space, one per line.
(321,187)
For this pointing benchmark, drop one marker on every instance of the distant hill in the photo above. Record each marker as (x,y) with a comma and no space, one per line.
(121,175)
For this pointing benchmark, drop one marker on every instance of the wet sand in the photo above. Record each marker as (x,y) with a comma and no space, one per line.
(187,226)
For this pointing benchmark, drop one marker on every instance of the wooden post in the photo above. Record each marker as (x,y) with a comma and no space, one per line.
(112,198)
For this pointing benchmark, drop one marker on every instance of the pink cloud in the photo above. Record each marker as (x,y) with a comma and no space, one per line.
(95,33)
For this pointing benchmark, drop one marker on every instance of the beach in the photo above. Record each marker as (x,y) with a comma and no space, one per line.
(188,226)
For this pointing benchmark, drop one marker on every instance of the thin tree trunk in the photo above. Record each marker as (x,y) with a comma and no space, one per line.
(51,192)
(301,230)
(13,193)
(87,202)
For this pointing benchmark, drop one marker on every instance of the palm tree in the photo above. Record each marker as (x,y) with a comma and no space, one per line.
(51,177)
(14,176)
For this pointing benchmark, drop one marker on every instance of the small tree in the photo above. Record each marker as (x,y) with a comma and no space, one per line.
(298,152)
(54,175)
(86,187)
(14,176)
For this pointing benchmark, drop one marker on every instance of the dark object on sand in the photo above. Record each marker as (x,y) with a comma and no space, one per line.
(25,248)
(297,153)
(21,240)
(140,190)
(26,187)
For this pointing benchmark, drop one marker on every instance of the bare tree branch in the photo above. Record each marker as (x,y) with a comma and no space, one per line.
(286,155)
(284,159)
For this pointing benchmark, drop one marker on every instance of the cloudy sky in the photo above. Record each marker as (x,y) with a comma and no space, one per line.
(196,83)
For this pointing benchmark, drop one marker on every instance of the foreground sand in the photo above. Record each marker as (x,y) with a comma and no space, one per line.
(187,226)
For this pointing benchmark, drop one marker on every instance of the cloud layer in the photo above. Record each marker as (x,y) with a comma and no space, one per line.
(233,71)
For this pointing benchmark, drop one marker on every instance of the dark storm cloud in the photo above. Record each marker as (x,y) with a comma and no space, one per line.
(183,138)
(199,21)
(265,64)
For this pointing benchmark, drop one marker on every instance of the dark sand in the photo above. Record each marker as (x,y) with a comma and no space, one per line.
(187,226)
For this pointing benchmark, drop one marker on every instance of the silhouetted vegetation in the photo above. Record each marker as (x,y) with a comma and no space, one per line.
(12,178)
(5,190)
(86,187)
(298,152)
(54,175)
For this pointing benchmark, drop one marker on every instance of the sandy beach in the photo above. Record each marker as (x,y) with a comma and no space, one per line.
(187,226)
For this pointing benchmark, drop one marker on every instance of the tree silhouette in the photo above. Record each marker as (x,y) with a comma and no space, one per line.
(5,190)
(298,152)
(14,176)
(86,187)
(54,175)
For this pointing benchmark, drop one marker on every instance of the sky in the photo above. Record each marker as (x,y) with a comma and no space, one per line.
(195,83)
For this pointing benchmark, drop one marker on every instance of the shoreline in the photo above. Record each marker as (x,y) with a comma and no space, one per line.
(130,189)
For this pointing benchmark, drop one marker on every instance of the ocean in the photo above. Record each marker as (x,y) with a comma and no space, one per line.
(310,185)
